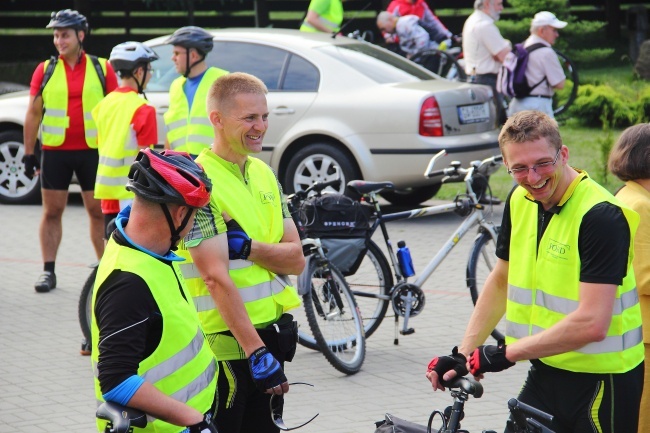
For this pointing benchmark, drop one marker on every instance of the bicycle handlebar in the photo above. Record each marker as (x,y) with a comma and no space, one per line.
(317,187)
(516,406)
(485,167)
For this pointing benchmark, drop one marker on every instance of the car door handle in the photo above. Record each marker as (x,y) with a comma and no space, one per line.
(283,110)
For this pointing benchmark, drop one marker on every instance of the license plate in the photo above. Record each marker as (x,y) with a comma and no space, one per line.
(474,113)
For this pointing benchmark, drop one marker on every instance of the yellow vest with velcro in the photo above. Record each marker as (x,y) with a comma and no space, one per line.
(331,19)
(259,213)
(117,143)
(182,366)
(55,103)
(544,282)
(189,129)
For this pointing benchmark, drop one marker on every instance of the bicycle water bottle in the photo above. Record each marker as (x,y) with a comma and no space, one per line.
(404,259)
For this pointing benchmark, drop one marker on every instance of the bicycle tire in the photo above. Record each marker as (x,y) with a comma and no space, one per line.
(373,277)
(85,306)
(561,106)
(334,319)
(441,63)
(482,259)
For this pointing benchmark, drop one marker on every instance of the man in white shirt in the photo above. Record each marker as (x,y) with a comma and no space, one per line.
(484,48)
(543,71)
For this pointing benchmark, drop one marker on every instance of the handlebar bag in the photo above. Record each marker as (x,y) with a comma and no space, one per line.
(332,215)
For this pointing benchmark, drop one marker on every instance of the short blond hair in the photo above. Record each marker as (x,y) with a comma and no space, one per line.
(530,125)
(225,88)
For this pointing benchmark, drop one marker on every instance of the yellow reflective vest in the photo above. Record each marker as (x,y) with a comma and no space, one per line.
(188,128)
(182,366)
(55,103)
(544,286)
(117,143)
(331,19)
(258,209)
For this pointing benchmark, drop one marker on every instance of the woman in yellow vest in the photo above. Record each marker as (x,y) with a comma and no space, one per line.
(149,351)
(323,16)
(63,92)
(630,162)
(188,127)
(565,281)
(125,123)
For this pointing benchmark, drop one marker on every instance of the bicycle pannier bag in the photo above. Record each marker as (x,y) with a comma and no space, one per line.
(511,80)
(392,424)
(342,224)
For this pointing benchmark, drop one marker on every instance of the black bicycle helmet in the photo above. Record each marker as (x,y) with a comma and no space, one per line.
(192,37)
(169,177)
(69,19)
(129,55)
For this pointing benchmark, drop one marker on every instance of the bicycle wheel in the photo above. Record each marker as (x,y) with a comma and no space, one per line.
(86,305)
(482,260)
(562,99)
(334,319)
(441,63)
(371,285)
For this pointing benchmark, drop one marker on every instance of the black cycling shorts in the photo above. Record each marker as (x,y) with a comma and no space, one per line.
(57,167)
(585,402)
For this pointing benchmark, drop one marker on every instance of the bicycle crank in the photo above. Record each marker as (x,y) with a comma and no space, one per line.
(408,300)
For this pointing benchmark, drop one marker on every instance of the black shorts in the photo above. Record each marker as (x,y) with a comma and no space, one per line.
(585,402)
(57,167)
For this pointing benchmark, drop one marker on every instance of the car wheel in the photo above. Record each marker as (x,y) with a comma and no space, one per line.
(319,162)
(411,196)
(15,187)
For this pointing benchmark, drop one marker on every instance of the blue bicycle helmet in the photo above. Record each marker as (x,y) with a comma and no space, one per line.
(192,37)
(69,19)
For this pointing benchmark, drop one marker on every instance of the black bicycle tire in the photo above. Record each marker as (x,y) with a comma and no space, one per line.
(472,265)
(85,305)
(576,83)
(372,319)
(330,348)
(461,75)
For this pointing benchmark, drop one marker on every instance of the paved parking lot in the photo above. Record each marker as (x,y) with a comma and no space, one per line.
(46,386)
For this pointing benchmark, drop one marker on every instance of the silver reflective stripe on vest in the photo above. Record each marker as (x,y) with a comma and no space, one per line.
(203,139)
(88,115)
(200,121)
(55,112)
(176,124)
(112,181)
(115,162)
(190,271)
(177,143)
(565,306)
(177,361)
(54,130)
(327,23)
(91,132)
(516,330)
(519,295)
(248,294)
(613,343)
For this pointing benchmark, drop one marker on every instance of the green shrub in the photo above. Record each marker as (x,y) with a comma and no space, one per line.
(644,105)
(597,104)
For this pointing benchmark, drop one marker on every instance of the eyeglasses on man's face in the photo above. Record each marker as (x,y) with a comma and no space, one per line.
(542,168)
(277,402)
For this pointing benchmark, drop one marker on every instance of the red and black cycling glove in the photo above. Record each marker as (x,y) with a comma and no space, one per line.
(489,359)
(442,364)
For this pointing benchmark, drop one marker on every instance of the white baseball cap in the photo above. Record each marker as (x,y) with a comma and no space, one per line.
(545,18)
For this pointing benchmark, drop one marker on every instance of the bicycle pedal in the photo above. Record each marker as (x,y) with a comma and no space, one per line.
(407,332)
(85,348)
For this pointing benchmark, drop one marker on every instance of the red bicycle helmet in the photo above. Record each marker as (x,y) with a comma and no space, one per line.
(169,177)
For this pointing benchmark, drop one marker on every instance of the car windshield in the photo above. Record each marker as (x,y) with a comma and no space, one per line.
(378,65)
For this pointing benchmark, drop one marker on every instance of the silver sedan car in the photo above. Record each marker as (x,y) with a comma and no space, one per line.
(340,106)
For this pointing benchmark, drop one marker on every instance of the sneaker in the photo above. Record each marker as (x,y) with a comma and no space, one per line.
(489,199)
(46,282)
(85,348)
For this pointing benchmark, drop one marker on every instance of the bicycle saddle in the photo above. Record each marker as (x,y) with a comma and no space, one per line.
(121,417)
(362,187)
(467,385)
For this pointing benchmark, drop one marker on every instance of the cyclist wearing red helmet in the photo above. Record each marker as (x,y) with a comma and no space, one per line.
(143,315)
(63,92)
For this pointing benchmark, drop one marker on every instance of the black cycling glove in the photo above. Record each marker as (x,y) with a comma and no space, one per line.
(489,359)
(31,165)
(442,364)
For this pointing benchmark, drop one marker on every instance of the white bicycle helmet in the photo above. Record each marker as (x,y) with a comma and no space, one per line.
(129,55)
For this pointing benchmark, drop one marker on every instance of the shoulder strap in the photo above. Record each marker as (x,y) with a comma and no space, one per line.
(534,47)
(47,75)
(100,72)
